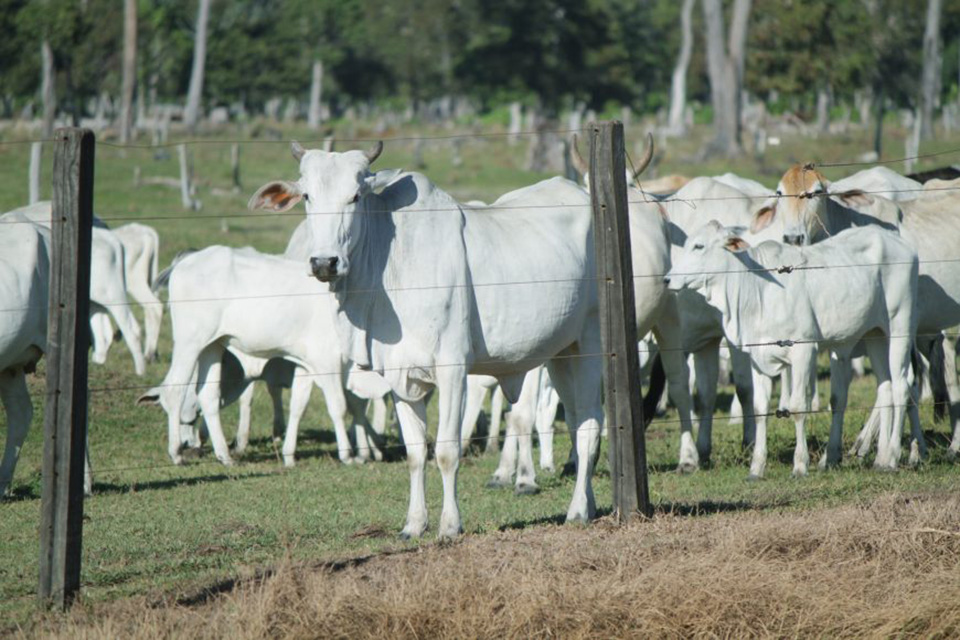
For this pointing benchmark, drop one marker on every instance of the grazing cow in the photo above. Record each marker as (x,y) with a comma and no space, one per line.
(930,224)
(108,289)
(428,291)
(859,285)
(141,251)
(266,307)
(745,185)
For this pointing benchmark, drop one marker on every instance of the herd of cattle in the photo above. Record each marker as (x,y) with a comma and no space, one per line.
(414,291)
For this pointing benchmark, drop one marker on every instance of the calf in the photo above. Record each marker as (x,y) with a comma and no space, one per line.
(858,285)
(265,307)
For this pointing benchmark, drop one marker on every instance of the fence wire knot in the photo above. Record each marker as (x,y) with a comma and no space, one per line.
(782,413)
(784,343)
(785,269)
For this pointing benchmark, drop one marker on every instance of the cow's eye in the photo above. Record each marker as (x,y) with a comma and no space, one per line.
(697,247)
(306,197)
(779,193)
(355,197)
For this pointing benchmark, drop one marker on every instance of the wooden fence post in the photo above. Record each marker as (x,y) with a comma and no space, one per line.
(68,340)
(623,405)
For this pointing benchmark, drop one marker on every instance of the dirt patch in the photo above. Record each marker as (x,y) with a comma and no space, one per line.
(890,567)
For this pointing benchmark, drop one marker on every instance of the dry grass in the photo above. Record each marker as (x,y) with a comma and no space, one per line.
(890,567)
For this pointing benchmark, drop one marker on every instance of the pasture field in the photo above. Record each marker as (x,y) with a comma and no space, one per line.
(159,539)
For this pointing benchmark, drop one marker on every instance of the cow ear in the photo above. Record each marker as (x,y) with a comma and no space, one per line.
(380,179)
(853,198)
(763,218)
(150,398)
(277,196)
(736,244)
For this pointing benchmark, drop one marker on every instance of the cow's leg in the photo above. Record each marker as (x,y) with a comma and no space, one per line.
(859,366)
(707,366)
(300,389)
(379,422)
(546,415)
(243,425)
(496,415)
(16,402)
(140,291)
(578,381)
(762,390)
(878,350)
(743,386)
(276,399)
(736,411)
(451,387)
(131,335)
(803,369)
(503,476)
(208,395)
(332,387)
(476,394)
(918,445)
(953,393)
(901,347)
(841,370)
(101,331)
(667,333)
(175,387)
(413,426)
(524,414)
(786,388)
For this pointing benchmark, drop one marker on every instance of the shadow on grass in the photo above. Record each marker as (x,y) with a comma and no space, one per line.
(104,488)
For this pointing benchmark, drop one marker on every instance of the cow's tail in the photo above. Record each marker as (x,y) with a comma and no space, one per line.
(163,278)
(658,382)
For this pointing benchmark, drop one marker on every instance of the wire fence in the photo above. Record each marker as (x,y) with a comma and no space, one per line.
(644,199)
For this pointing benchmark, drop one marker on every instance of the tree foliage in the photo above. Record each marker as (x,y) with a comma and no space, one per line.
(554,53)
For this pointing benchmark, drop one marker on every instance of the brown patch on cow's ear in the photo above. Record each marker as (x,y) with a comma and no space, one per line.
(854,198)
(763,218)
(277,196)
(735,244)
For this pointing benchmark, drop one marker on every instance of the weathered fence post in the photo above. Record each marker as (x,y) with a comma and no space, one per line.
(68,340)
(622,401)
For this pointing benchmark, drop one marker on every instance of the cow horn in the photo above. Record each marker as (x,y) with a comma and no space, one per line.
(578,162)
(647,157)
(297,150)
(374,152)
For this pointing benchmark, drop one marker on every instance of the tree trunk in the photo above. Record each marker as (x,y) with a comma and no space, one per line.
(36,152)
(823,110)
(678,86)
(880,100)
(47,89)
(516,117)
(129,69)
(316,92)
(716,69)
(191,112)
(931,68)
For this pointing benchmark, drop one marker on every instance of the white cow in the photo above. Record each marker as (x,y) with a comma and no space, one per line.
(880,181)
(108,289)
(858,285)
(746,185)
(24,283)
(428,291)
(930,224)
(266,307)
(141,251)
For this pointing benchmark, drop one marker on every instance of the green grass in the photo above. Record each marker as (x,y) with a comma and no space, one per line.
(153,528)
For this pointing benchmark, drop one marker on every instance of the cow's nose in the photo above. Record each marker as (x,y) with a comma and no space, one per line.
(666,280)
(324,268)
(793,238)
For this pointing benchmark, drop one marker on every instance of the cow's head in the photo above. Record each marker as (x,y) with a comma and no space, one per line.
(705,255)
(333,187)
(800,202)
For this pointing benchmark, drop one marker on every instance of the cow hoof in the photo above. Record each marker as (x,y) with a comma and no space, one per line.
(527,489)
(952,455)
(411,535)
(358,460)
(754,478)
(883,468)
(798,474)
(686,468)
(227,461)
(569,469)
(497,483)
(548,470)
(289,462)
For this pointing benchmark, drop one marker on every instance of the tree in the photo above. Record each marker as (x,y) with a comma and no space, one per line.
(129,69)
(931,68)
(725,67)
(191,112)
(678,85)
